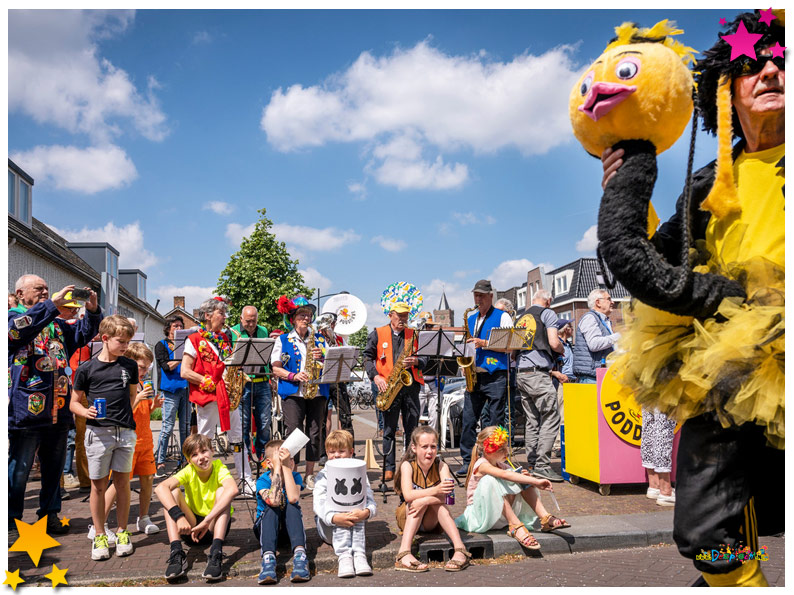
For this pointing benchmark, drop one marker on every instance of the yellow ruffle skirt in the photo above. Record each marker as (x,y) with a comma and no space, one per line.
(732,363)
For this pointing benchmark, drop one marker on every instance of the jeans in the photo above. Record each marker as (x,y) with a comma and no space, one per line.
(407,403)
(262,411)
(175,403)
(488,400)
(272,520)
(67,467)
(52,455)
(587,380)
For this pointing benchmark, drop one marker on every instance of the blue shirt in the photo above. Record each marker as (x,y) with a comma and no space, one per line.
(264,482)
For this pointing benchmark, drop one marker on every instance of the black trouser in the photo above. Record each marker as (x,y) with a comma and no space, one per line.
(341,401)
(309,417)
(719,471)
(407,403)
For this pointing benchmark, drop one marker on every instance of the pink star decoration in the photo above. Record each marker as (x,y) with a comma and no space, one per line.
(777,50)
(767,17)
(723,22)
(742,42)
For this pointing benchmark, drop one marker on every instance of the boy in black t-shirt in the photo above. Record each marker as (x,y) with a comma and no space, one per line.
(109,442)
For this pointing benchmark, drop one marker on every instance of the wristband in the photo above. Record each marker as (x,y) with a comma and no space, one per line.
(291,376)
(175,512)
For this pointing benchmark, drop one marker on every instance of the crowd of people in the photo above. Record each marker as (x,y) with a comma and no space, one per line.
(59,393)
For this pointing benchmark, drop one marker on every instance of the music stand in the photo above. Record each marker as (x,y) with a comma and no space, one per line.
(337,367)
(180,336)
(251,353)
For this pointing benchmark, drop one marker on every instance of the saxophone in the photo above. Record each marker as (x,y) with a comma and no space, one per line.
(467,363)
(312,368)
(398,378)
(235,380)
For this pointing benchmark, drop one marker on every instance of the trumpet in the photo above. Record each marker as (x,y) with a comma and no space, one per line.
(467,363)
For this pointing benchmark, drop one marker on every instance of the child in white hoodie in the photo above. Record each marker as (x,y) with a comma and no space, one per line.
(343,530)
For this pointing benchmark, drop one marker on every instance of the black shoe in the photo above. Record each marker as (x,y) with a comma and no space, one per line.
(213,570)
(54,525)
(64,494)
(177,565)
(547,473)
(462,471)
(85,489)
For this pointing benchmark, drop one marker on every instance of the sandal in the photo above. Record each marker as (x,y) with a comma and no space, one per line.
(414,564)
(454,565)
(528,542)
(552,523)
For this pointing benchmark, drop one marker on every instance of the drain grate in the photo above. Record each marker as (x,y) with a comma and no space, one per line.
(440,551)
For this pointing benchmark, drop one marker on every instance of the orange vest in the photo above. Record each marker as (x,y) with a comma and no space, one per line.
(385,360)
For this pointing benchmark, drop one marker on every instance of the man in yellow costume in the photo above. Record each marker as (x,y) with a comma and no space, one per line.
(711,349)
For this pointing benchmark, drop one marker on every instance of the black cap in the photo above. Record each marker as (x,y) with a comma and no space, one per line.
(482,286)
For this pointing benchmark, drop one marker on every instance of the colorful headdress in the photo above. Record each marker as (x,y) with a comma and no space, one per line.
(288,306)
(495,441)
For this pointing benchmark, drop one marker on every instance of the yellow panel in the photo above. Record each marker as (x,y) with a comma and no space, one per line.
(581,431)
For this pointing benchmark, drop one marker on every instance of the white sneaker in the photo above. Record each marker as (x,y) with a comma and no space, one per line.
(248,490)
(123,543)
(99,550)
(70,481)
(308,482)
(666,500)
(108,533)
(652,493)
(146,526)
(346,568)
(361,565)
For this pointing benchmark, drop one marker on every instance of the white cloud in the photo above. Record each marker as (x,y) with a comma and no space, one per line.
(236,232)
(419,101)
(193,295)
(314,279)
(128,240)
(510,273)
(375,315)
(459,297)
(56,75)
(218,207)
(589,241)
(313,238)
(389,244)
(470,218)
(202,37)
(88,170)
(359,189)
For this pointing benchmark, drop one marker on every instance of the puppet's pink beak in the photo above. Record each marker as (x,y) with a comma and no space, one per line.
(603,97)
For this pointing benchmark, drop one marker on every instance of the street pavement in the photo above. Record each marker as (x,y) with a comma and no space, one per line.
(624,519)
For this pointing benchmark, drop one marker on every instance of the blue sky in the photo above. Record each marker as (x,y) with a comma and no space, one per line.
(424,146)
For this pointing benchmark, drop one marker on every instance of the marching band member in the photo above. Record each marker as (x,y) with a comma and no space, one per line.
(203,368)
(488,397)
(340,397)
(289,366)
(384,345)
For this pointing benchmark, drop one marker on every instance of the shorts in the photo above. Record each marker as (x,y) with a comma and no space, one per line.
(143,461)
(208,536)
(109,448)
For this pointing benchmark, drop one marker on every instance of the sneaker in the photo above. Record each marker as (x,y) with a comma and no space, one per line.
(663,500)
(300,568)
(160,471)
(177,565)
(85,489)
(308,482)
(70,481)
(346,568)
(108,533)
(462,471)
(64,494)
(213,570)
(54,525)
(652,493)
(123,543)
(547,473)
(146,526)
(248,490)
(361,565)
(100,551)
(267,576)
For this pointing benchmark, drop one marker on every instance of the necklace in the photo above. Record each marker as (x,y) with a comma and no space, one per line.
(220,340)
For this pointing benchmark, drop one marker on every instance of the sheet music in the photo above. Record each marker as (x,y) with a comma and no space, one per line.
(437,343)
(338,365)
(510,339)
(180,336)
(251,353)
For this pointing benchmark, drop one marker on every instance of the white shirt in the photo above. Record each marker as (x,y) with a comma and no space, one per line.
(275,355)
(504,321)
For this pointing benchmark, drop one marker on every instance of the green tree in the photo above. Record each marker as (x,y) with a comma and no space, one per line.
(258,273)
(359,338)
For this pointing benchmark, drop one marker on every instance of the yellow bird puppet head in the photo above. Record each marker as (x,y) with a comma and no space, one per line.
(639,88)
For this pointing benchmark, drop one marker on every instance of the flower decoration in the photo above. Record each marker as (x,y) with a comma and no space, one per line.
(495,441)
(287,307)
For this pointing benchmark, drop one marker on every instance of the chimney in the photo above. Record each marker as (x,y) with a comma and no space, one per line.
(179,301)
(196,314)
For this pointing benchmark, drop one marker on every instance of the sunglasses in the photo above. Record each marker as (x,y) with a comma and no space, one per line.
(750,66)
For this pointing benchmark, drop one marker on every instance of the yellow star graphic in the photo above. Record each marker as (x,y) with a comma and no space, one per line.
(57,576)
(33,539)
(65,522)
(13,579)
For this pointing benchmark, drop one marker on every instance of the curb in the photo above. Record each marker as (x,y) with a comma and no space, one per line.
(588,533)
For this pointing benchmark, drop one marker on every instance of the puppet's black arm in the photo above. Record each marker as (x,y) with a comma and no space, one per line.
(633,259)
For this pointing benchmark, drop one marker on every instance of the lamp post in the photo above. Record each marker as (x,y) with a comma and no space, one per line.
(319,297)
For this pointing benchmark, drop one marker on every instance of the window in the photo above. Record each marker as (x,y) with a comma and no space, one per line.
(141,287)
(112,264)
(562,282)
(521,298)
(24,201)
(12,193)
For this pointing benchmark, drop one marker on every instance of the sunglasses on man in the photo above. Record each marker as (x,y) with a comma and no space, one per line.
(750,66)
